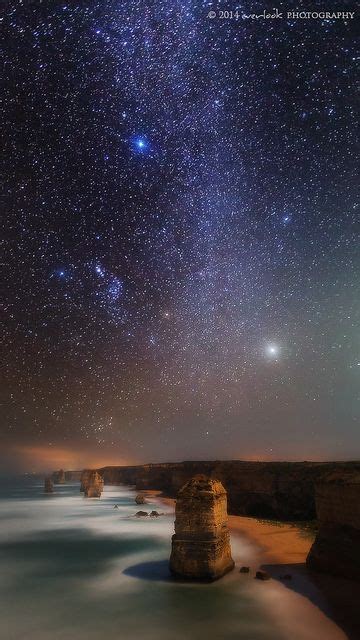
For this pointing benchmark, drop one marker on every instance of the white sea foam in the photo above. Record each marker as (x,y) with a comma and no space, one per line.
(78,569)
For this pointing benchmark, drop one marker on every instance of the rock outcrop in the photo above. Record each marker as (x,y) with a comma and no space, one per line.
(59,477)
(201,543)
(94,485)
(140,499)
(262,575)
(336,549)
(48,485)
(84,479)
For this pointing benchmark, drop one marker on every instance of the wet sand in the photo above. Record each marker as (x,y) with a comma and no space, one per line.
(323,607)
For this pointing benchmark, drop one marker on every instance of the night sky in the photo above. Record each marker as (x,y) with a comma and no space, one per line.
(181,248)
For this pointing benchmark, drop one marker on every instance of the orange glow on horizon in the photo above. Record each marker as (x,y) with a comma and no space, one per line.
(49,458)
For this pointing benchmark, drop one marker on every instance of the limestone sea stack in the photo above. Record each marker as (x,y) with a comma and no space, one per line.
(59,477)
(48,485)
(94,486)
(201,543)
(336,549)
(84,479)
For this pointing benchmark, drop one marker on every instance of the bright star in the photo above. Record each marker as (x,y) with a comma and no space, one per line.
(272,350)
(140,144)
(100,271)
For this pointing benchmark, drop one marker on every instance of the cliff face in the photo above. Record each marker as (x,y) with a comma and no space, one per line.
(336,549)
(281,490)
(201,543)
(120,475)
(72,476)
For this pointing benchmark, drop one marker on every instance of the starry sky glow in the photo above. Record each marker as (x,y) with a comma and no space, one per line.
(181,246)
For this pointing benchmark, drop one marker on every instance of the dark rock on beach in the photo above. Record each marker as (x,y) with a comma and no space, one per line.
(262,575)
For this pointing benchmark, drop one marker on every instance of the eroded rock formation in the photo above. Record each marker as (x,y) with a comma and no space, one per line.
(201,543)
(48,485)
(84,479)
(59,477)
(94,485)
(140,499)
(336,549)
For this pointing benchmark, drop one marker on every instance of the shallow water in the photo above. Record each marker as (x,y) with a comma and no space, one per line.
(77,569)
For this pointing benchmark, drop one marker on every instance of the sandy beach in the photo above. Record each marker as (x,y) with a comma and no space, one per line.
(279,543)
(283,544)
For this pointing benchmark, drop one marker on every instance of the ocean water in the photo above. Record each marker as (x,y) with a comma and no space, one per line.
(77,569)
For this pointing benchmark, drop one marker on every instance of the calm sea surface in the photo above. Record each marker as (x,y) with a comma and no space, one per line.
(77,569)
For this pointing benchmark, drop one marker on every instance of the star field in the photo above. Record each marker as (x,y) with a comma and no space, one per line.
(181,247)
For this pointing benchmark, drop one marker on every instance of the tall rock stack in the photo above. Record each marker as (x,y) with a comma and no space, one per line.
(94,486)
(84,479)
(48,485)
(201,544)
(336,549)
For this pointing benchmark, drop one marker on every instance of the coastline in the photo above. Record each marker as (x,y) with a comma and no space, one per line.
(280,543)
(317,602)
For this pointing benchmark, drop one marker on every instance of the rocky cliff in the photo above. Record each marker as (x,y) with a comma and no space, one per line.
(281,490)
(201,543)
(73,476)
(336,549)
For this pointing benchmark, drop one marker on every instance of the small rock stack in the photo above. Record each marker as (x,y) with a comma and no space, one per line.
(48,485)
(59,477)
(94,485)
(201,544)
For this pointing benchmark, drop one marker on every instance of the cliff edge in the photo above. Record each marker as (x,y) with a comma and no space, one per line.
(336,549)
